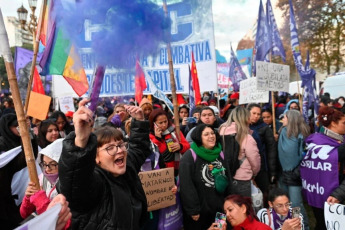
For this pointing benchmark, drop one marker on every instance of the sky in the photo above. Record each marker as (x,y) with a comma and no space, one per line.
(232,19)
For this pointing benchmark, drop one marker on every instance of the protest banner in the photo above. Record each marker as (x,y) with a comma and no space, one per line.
(250,94)
(272,77)
(223,76)
(191,30)
(66,104)
(38,105)
(157,185)
(334,216)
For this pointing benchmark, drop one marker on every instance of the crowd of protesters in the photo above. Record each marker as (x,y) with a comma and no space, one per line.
(90,162)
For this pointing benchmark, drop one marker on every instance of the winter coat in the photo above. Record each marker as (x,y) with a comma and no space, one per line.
(267,147)
(8,140)
(251,225)
(169,157)
(97,199)
(249,152)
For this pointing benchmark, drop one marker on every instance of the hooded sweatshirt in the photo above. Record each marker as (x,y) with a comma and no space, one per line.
(8,140)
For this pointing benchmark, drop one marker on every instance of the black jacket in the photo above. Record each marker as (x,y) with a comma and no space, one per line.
(97,199)
(267,147)
(339,192)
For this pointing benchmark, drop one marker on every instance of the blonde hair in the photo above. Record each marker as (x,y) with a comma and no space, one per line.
(240,116)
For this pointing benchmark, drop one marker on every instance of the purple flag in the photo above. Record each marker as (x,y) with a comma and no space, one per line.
(307,74)
(263,41)
(236,73)
(277,45)
(319,169)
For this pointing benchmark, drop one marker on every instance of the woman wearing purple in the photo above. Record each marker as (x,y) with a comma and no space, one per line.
(322,167)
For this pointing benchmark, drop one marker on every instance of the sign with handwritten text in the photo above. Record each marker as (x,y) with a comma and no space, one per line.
(334,216)
(250,94)
(157,185)
(272,77)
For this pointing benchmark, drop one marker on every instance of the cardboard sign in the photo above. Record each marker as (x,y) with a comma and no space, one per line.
(272,77)
(38,105)
(157,185)
(334,216)
(250,94)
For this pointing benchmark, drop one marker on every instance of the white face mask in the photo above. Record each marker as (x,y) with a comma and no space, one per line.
(342,102)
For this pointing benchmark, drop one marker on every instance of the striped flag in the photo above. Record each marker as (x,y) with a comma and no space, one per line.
(191,94)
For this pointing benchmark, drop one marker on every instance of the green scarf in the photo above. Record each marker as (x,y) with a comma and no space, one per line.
(207,154)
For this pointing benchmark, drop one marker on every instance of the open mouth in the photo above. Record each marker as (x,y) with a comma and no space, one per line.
(120,160)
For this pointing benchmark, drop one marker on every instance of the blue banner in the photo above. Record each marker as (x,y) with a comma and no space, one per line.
(245,58)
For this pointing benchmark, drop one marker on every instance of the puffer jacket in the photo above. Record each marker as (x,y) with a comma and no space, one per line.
(97,199)
(267,147)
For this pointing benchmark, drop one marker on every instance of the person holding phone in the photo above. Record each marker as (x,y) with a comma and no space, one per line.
(280,215)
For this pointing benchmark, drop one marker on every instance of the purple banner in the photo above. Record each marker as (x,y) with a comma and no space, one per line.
(319,169)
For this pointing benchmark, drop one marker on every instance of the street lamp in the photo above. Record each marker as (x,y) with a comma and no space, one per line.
(23,13)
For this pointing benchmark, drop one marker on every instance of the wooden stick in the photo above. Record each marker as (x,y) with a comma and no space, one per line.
(34,59)
(172,80)
(12,79)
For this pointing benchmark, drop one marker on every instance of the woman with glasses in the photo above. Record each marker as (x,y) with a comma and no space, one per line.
(279,214)
(98,173)
(38,200)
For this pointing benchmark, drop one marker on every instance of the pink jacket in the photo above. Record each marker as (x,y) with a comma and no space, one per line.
(249,150)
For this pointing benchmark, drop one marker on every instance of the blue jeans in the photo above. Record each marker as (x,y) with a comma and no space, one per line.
(295,194)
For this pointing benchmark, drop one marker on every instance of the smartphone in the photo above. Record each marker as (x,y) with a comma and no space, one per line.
(191,119)
(220,219)
(296,212)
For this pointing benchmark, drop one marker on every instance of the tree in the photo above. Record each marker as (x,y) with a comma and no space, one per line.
(321,26)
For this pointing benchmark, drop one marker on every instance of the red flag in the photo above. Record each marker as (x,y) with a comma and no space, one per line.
(180,99)
(195,82)
(37,86)
(140,82)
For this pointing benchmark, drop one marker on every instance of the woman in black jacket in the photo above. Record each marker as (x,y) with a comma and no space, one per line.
(99,177)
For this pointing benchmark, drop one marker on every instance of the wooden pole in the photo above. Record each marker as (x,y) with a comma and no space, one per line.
(35,48)
(273,101)
(12,79)
(299,92)
(172,79)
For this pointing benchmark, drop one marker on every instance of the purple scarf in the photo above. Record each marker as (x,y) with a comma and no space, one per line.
(277,221)
(52,178)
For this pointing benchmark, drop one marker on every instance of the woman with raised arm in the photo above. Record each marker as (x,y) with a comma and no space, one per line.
(99,177)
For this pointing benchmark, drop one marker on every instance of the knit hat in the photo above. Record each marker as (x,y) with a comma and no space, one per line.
(235,96)
(215,109)
(53,150)
(145,101)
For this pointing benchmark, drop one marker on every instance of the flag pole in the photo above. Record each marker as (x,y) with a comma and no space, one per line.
(273,101)
(35,47)
(172,79)
(12,79)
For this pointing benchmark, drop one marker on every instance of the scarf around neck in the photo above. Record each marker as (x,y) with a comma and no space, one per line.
(52,178)
(277,221)
(207,154)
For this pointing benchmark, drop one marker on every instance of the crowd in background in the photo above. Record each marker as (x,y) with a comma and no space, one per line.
(222,150)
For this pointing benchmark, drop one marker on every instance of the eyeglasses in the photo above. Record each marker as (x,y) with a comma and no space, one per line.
(113,149)
(281,206)
(51,166)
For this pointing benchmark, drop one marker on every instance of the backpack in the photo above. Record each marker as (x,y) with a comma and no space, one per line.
(231,150)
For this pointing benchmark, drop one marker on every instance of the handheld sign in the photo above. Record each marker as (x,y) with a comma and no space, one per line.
(38,105)
(272,77)
(250,94)
(334,216)
(157,185)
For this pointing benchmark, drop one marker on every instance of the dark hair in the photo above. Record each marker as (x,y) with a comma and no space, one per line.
(196,110)
(275,192)
(42,132)
(253,105)
(268,110)
(197,133)
(153,116)
(183,106)
(106,134)
(328,114)
(325,100)
(67,127)
(294,103)
(246,201)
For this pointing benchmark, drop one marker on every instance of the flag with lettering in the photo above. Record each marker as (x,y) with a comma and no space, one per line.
(307,74)
(140,82)
(277,45)
(236,73)
(195,82)
(263,41)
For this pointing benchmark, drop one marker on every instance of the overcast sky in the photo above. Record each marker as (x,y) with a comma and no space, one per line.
(232,19)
